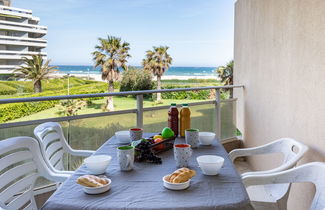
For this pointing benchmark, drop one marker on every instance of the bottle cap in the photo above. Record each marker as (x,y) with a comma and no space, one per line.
(184,104)
(173,104)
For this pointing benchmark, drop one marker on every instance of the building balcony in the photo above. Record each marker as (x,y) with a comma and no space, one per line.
(23,41)
(7,69)
(15,12)
(18,55)
(16,26)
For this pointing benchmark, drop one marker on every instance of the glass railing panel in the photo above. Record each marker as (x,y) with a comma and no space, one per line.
(91,133)
(228,119)
(202,118)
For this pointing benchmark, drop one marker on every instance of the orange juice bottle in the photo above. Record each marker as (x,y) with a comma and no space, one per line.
(185,121)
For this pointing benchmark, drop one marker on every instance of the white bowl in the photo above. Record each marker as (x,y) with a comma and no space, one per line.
(176,186)
(123,137)
(98,190)
(206,138)
(97,164)
(210,164)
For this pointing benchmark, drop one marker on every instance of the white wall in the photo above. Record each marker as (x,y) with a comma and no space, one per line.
(280,58)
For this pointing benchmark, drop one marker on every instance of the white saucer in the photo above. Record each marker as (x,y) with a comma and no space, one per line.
(176,186)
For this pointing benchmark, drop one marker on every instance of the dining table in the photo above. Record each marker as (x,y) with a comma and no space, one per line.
(142,188)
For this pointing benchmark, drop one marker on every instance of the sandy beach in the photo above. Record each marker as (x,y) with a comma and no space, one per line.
(97,77)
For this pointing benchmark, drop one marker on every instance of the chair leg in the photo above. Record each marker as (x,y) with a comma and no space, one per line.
(259,205)
(282,203)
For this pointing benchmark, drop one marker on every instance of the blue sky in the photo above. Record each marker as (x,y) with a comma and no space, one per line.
(198,32)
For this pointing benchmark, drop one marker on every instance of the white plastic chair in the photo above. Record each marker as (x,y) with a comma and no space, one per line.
(286,146)
(21,163)
(310,172)
(270,196)
(53,145)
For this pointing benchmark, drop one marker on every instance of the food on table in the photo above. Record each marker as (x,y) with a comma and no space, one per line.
(160,146)
(145,153)
(173,118)
(167,133)
(157,137)
(185,119)
(91,181)
(181,175)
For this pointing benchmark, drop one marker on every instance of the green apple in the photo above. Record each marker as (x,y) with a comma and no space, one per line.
(167,133)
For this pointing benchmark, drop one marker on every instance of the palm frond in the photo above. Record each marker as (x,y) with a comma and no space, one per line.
(111,54)
(158,61)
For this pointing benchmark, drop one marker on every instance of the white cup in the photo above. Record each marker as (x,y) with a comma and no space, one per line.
(182,154)
(125,156)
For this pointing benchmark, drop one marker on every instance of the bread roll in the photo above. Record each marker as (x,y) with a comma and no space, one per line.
(91,181)
(177,172)
(98,179)
(181,175)
(184,176)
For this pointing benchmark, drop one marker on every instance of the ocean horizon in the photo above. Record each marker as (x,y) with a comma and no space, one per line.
(172,71)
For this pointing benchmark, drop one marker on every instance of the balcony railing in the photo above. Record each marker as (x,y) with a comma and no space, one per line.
(17,10)
(16,26)
(22,43)
(89,131)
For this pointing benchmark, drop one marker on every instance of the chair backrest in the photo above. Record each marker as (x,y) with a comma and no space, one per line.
(310,172)
(21,163)
(288,147)
(53,143)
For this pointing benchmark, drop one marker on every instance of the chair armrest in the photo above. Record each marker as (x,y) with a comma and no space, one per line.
(264,149)
(62,172)
(82,153)
(310,172)
(56,177)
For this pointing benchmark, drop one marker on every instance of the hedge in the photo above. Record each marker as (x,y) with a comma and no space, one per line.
(47,85)
(194,95)
(17,110)
(7,90)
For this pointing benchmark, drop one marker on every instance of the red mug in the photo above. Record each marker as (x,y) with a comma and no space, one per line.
(136,134)
(182,154)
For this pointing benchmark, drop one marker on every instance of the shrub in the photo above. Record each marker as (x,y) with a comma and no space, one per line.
(136,79)
(48,85)
(7,90)
(194,95)
(17,110)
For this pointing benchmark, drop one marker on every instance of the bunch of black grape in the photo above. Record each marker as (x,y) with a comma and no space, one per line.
(146,154)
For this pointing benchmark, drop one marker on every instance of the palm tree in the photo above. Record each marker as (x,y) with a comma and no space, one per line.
(36,70)
(226,73)
(157,61)
(111,54)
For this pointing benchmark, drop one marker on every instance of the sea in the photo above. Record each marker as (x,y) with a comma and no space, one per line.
(172,71)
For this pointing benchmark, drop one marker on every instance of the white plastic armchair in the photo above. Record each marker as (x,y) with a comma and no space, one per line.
(53,145)
(21,163)
(286,146)
(311,172)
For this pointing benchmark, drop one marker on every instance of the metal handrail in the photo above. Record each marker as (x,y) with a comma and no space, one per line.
(141,92)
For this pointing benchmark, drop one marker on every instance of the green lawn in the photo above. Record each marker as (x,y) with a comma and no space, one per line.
(120,103)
